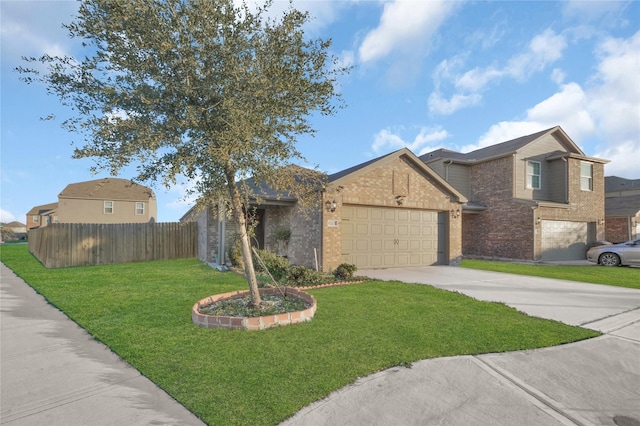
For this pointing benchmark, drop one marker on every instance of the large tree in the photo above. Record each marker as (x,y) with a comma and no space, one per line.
(201,89)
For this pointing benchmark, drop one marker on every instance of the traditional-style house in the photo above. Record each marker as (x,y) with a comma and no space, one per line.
(392,211)
(622,209)
(537,197)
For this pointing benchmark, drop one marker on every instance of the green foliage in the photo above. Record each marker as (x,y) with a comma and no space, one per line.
(301,276)
(283,234)
(344,271)
(205,90)
(620,277)
(277,265)
(141,311)
(235,253)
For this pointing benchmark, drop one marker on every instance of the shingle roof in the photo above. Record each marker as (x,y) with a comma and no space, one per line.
(622,206)
(615,183)
(492,151)
(42,209)
(107,189)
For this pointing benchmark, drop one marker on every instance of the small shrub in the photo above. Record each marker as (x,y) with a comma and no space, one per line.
(301,276)
(235,254)
(276,265)
(344,272)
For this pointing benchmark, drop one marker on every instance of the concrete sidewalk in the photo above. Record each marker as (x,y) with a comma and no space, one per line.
(53,373)
(594,382)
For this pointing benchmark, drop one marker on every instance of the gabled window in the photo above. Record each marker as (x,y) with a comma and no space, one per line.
(108,207)
(139,208)
(36,218)
(533,175)
(586,176)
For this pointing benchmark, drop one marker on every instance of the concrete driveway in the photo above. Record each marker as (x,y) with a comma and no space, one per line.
(593,382)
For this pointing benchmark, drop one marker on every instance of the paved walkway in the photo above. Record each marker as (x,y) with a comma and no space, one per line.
(53,373)
(593,382)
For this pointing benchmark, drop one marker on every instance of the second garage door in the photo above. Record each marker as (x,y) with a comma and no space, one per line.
(381,237)
(564,240)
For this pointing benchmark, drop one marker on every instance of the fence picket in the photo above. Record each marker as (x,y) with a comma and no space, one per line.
(74,244)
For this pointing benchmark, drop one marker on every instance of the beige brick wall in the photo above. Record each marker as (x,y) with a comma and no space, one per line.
(510,228)
(382,186)
(504,229)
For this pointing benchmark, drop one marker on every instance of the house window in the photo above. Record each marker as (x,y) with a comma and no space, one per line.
(36,218)
(586,176)
(533,175)
(47,219)
(139,208)
(55,219)
(108,207)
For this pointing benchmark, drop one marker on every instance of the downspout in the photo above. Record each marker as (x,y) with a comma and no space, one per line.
(222,217)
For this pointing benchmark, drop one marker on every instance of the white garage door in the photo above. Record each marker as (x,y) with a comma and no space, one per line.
(380,237)
(564,240)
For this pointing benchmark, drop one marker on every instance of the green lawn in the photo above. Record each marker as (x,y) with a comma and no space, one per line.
(615,276)
(142,311)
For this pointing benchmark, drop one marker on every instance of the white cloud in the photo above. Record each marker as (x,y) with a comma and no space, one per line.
(404,26)
(25,33)
(6,216)
(426,140)
(544,49)
(440,105)
(607,109)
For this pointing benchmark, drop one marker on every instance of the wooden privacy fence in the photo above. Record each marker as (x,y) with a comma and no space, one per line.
(74,244)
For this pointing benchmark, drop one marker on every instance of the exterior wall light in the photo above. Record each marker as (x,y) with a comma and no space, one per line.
(455,213)
(330,206)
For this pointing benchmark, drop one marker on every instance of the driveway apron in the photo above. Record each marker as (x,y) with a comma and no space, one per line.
(593,382)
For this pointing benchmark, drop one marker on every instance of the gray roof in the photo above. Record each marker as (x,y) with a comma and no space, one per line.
(492,151)
(622,206)
(615,183)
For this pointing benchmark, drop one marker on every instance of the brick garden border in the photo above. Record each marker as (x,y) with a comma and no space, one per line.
(254,323)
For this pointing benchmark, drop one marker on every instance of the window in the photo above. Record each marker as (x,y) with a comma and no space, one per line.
(139,208)
(55,219)
(586,176)
(36,218)
(108,207)
(533,175)
(47,219)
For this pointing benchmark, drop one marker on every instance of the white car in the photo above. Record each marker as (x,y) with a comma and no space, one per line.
(627,253)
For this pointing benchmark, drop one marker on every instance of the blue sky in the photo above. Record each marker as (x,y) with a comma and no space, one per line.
(460,75)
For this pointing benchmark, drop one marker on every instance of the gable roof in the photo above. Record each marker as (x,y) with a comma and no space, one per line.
(615,183)
(45,208)
(505,148)
(353,172)
(107,189)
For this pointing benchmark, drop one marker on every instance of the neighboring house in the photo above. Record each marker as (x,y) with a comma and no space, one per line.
(622,209)
(537,197)
(42,215)
(14,231)
(108,200)
(392,211)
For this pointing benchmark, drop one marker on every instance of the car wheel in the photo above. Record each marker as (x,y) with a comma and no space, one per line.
(609,259)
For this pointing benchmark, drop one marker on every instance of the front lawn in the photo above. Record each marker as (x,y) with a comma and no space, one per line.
(142,311)
(615,276)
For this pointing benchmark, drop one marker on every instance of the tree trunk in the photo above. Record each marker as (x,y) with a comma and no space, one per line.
(245,244)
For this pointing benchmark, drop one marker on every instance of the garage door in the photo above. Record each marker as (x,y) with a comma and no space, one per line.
(379,237)
(564,240)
